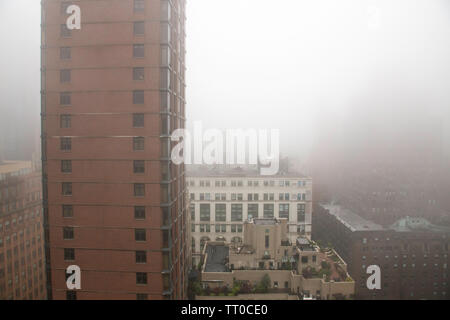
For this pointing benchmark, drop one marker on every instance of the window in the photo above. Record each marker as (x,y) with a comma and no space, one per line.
(139,5)
(221,212)
(65,32)
(236,212)
(138,120)
(68,233)
(66,144)
(71,295)
(138,143)
(139,213)
(205,214)
(252,211)
(138,97)
(65,75)
(284,211)
(139,190)
(268,210)
(66,166)
(67,188)
(140,235)
(301,211)
(65,121)
(67,211)
(139,28)
(138,74)
(69,254)
(65,98)
(141,296)
(192,210)
(138,51)
(141,257)
(141,278)
(65,53)
(139,166)
(267,241)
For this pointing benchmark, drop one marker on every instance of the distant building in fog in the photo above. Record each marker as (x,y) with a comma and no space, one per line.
(22,255)
(412,253)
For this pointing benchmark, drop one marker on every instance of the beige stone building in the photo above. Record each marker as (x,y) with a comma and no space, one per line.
(296,270)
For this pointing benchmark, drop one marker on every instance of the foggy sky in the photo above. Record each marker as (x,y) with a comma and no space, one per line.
(294,65)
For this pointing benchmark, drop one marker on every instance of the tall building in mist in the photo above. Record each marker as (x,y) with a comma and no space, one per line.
(114,204)
(22,258)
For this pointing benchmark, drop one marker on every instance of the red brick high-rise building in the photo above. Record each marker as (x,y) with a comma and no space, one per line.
(114,203)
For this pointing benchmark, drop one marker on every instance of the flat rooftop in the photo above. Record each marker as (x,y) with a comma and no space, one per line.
(217,256)
(265,221)
(350,219)
(14,166)
(221,171)
(409,224)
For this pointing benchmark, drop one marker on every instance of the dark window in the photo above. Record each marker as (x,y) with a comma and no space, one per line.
(138,143)
(65,121)
(284,211)
(138,97)
(67,211)
(141,296)
(71,295)
(65,53)
(67,188)
(65,32)
(140,235)
(69,254)
(139,28)
(252,211)
(65,98)
(141,278)
(139,166)
(268,210)
(65,75)
(301,211)
(66,144)
(236,212)
(205,212)
(139,190)
(138,120)
(138,73)
(139,213)
(138,51)
(221,212)
(66,166)
(267,241)
(139,5)
(141,257)
(68,233)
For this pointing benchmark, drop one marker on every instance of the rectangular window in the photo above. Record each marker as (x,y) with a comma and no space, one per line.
(141,257)
(221,212)
(267,241)
(139,5)
(192,210)
(139,166)
(284,211)
(141,278)
(236,212)
(138,143)
(139,190)
(141,296)
(139,28)
(66,166)
(268,210)
(65,98)
(138,120)
(65,121)
(140,235)
(68,233)
(67,211)
(70,295)
(205,212)
(138,51)
(69,254)
(138,74)
(139,213)
(252,211)
(138,97)
(65,32)
(301,211)
(65,53)
(67,188)
(66,144)
(65,75)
